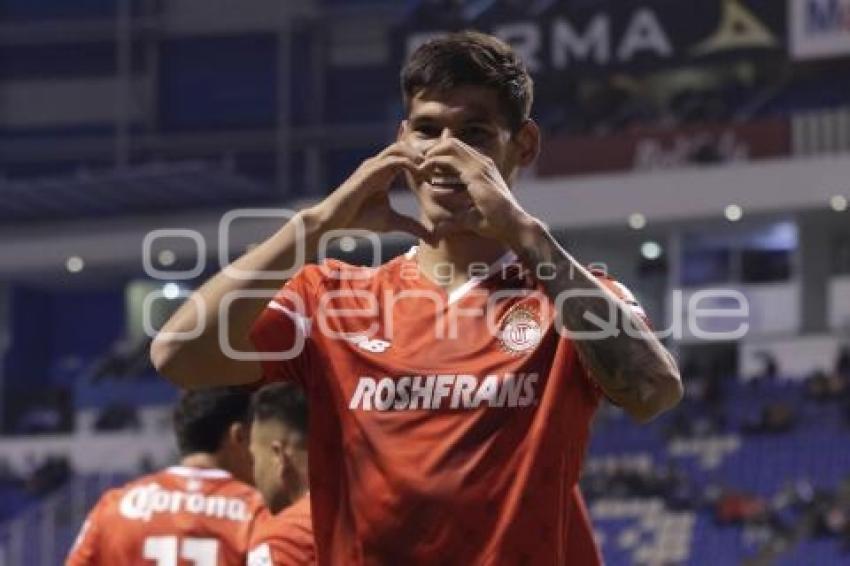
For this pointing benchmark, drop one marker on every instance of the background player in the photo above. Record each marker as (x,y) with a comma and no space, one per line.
(283,535)
(427,447)
(199,512)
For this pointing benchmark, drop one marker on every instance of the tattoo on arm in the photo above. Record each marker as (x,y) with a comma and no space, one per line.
(629,365)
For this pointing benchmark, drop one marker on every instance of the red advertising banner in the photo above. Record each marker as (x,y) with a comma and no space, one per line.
(646,149)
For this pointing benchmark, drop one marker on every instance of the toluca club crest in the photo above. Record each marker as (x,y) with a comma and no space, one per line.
(520,331)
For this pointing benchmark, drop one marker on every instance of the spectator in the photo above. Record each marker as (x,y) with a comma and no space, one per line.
(734,507)
(53,473)
(816,386)
(821,386)
(842,364)
(117,416)
(775,418)
(770,368)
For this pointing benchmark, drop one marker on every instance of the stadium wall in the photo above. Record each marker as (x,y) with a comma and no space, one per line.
(781,186)
(797,356)
(90,452)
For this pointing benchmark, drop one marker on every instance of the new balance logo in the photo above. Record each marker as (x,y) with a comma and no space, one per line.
(374,346)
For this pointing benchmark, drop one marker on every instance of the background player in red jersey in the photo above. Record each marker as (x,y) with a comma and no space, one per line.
(450,397)
(198,513)
(283,535)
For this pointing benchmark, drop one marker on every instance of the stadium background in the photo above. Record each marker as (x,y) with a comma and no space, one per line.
(688,146)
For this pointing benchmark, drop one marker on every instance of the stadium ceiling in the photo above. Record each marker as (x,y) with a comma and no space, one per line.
(137,190)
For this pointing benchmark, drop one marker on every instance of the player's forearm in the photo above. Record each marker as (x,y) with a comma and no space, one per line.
(633,368)
(223,310)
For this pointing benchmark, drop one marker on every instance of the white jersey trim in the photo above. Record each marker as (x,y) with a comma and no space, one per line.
(303,323)
(203,473)
(508,258)
(260,555)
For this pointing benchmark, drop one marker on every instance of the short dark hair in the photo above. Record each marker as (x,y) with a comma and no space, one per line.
(471,58)
(202,417)
(282,402)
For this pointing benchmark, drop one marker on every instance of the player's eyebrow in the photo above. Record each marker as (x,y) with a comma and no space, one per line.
(477,117)
(423,120)
(473,118)
(478,112)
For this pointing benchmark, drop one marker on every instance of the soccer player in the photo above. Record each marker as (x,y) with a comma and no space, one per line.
(283,535)
(451,389)
(580,541)
(200,512)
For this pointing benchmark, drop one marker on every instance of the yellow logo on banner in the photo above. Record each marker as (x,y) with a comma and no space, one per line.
(738,29)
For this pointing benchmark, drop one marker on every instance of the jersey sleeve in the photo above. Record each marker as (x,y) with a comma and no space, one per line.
(286,549)
(86,549)
(283,540)
(282,331)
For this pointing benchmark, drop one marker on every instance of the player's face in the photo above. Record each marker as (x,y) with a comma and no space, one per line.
(473,115)
(267,453)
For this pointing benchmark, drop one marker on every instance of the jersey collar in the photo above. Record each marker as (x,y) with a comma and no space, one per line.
(508,258)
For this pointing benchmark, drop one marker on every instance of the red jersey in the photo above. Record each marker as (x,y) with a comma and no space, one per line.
(179,516)
(444,428)
(580,540)
(285,539)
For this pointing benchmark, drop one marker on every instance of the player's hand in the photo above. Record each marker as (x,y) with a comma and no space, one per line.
(494,212)
(362,202)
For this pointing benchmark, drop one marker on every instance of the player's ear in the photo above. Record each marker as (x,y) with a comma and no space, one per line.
(402,129)
(279,456)
(527,140)
(238,433)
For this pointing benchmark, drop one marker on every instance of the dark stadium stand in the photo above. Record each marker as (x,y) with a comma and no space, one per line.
(738,493)
(77,495)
